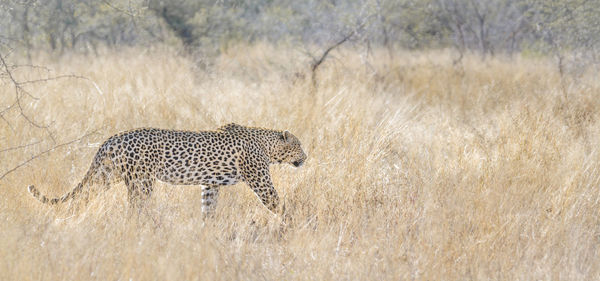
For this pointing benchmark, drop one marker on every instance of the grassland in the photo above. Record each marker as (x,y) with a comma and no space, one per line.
(418,169)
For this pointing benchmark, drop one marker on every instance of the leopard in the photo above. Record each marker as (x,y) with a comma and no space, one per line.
(211,159)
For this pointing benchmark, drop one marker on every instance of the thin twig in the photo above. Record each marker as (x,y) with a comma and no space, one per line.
(118,9)
(27,117)
(7,109)
(15,66)
(20,146)
(6,68)
(44,153)
(317,62)
(7,123)
(54,78)
(20,91)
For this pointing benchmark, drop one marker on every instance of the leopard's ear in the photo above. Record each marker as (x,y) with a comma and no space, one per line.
(286,135)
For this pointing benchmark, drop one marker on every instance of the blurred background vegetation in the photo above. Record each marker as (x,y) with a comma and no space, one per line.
(565,29)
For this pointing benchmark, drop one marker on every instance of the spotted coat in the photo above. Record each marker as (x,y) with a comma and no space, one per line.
(226,156)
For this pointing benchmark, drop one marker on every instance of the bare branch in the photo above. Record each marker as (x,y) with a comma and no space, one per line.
(27,117)
(30,66)
(20,146)
(6,68)
(7,109)
(54,78)
(20,92)
(7,123)
(317,62)
(107,3)
(44,153)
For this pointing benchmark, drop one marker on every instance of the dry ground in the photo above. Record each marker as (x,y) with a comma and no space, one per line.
(418,168)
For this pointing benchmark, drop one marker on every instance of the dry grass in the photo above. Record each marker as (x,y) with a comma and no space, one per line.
(417,169)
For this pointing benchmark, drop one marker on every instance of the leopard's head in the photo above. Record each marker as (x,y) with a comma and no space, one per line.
(287,149)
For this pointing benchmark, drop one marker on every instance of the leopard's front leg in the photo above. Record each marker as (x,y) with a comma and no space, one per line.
(259,180)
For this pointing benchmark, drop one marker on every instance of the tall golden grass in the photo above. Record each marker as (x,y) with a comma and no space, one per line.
(418,168)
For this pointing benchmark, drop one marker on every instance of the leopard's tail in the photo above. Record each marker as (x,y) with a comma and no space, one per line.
(69,195)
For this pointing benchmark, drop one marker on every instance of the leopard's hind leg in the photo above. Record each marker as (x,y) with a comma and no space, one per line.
(139,190)
(210,194)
